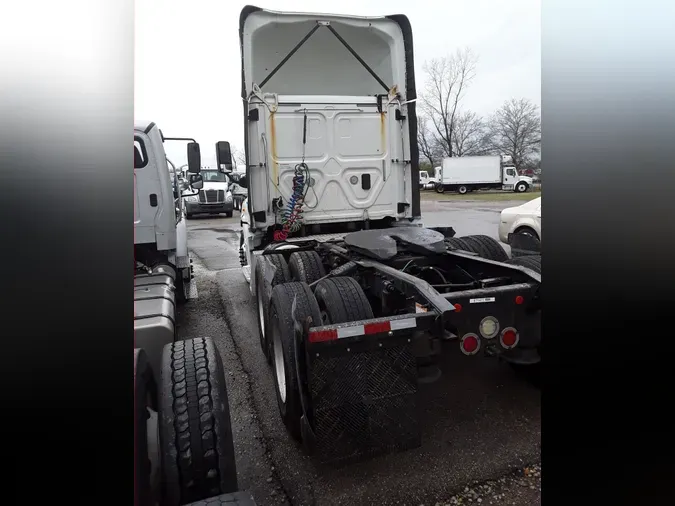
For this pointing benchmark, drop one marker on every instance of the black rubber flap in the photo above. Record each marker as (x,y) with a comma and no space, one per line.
(364,402)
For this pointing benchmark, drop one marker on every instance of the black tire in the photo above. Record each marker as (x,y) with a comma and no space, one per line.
(306,266)
(229,214)
(486,247)
(145,396)
(530,261)
(196,444)
(262,293)
(341,300)
(188,216)
(459,243)
(242,254)
(521,187)
(462,190)
(282,337)
(527,231)
(180,289)
(440,188)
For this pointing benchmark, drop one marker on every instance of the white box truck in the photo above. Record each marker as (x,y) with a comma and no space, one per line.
(468,173)
(428,182)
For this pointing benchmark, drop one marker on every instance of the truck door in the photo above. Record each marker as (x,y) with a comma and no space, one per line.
(145,193)
(509,178)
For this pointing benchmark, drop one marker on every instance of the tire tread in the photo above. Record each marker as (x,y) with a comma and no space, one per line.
(344,300)
(530,261)
(306,266)
(196,434)
(281,304)
(486,247)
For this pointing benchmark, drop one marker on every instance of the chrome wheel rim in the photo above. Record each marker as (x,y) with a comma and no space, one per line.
(261,309)
(279,368)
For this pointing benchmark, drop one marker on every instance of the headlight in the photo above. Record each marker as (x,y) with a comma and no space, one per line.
(191,198)
(228,197)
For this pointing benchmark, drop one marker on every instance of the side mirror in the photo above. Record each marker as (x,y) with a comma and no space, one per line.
(196,181)
(243,181)
(194,158)
(223,156)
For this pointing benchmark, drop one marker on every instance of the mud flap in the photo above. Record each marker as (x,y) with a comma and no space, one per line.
(359,398)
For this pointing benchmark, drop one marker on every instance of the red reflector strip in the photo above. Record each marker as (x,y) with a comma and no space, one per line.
(323,335)
(320,336)
(377,328)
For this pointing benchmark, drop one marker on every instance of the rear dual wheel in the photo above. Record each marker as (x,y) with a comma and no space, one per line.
(337,300)
(483,245)
(304,266)
(291,302)
(263,287)
(342,300)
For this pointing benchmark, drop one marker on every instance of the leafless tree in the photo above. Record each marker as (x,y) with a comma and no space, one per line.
(427,142)
(238,158)
(470,135)
(447,81)
(516,130)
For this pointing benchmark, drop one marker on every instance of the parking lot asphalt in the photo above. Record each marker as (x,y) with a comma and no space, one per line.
(479,422)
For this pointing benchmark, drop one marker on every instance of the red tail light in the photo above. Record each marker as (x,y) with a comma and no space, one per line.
(509,338)
(470,344)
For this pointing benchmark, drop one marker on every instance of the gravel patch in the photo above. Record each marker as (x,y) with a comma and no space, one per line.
(519,488)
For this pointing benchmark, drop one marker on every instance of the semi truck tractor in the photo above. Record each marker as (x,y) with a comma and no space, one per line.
(465,174)
(183,447)
(355,299)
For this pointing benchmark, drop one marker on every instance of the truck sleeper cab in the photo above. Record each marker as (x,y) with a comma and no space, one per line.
(354,299)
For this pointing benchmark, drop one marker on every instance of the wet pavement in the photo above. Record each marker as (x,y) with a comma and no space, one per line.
(478,422)
(467,218)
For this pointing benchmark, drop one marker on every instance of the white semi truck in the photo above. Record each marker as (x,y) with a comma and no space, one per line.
(465,174)
(183,448)
(355,298)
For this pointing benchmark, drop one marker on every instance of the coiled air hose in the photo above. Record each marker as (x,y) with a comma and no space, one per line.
(291,217)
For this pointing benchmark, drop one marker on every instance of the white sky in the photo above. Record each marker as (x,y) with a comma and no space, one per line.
(188,65)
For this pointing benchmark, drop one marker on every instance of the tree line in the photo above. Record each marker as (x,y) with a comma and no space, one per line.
(446,129)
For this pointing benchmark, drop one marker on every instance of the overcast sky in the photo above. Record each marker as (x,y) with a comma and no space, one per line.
(188,64)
